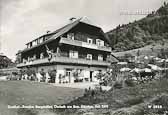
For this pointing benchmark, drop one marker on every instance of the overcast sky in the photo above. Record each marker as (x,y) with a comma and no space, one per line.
(24,20)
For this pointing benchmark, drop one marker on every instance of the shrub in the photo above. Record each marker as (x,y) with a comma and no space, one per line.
(32,77)
(118,85)
(134,101)
(159,100)
(13,78)
(99,75)
(129,82)
(30,72)
(60,78)
(3,74)
(43,75)
(52,75)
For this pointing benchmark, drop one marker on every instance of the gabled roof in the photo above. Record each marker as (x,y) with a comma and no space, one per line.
(65,29)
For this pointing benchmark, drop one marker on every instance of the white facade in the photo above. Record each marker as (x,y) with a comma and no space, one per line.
(65,73)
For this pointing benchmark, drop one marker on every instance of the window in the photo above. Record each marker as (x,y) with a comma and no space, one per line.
(100,57)
(73,54)
(40,40)
(29,45)
(89,40)
(102,43)
(99,42)
(37,42)
(89,56)
(34,43)
(70,36)
(68,72)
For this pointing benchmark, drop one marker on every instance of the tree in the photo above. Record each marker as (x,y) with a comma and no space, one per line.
(52,75)
(5,61)
(99,75)
(129,34)
(43,75)
(76,74)
(138,53)
(18,57)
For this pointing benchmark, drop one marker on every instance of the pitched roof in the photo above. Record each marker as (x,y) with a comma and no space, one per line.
(65,29)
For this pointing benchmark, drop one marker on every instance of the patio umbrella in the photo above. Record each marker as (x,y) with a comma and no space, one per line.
(137,70)
(147,70)
(155,67)
(125,69)
(122,63)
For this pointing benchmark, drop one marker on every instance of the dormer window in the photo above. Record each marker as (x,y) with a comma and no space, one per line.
(70,36)
(89,40)
(29,45)
(33,43)
(40,40)
(36,41)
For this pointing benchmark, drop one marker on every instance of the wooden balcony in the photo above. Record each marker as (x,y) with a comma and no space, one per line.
(84,44)
(65,60)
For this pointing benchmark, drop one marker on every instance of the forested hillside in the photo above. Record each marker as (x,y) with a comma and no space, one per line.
(5,62)
(151,29)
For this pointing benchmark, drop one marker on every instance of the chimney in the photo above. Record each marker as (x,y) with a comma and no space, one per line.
(48,31)
(72,19)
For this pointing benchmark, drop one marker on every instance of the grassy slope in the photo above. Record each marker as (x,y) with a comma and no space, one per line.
(144,50)
(33,93)
(130,99)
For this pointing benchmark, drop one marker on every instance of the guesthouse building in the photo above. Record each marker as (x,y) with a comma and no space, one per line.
(78,47)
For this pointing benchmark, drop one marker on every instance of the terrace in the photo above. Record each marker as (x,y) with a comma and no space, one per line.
(84,44)
(65,60)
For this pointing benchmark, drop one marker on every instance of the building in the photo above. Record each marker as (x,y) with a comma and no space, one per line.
(78,47)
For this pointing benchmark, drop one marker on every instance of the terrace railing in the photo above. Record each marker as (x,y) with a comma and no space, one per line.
(64,60)
(84,44)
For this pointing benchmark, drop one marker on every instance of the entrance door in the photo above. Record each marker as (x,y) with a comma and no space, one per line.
(91,76)
(68,74)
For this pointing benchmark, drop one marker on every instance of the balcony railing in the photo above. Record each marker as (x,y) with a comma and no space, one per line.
(84,44)
(65,60)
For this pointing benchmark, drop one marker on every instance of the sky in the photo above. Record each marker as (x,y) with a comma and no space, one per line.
(24,20)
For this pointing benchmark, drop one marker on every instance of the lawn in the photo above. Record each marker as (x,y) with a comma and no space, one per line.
(33,93)
(128,100)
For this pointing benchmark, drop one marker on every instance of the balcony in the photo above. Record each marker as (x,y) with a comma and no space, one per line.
(84,44)
(65,60)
